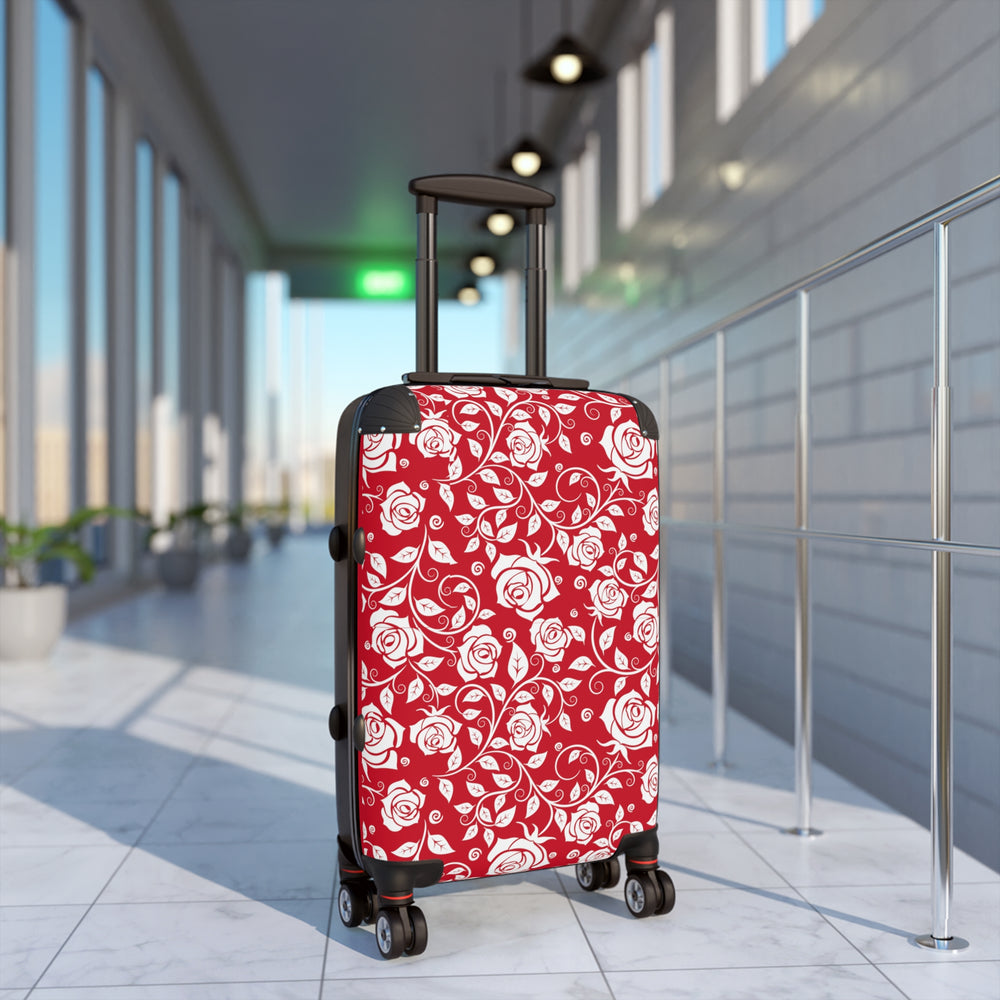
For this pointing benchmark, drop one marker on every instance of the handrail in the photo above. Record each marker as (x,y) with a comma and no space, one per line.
(948,212)
(940,546)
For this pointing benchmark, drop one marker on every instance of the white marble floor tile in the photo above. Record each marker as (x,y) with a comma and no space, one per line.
(52,876)
(882,921)
(222,942)
(949,981)
(302,990)
(284,763)
(228,819)
(194,872)
(714,860)
(860,857)
(829,982)
(30,936)
(472,934)
(712,928)
(554,986)
(65,782)
(680,815)
(13,994)
(23,746)
(27,822)
(748,806)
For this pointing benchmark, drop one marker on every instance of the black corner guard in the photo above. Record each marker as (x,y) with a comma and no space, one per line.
(392,410)
(644,415)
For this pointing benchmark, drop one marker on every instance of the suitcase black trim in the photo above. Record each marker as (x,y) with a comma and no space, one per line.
(392,410)
(644,416)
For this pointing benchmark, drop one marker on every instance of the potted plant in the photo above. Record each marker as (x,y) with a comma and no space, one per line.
(33,614)
(239,541)
(177,545)
(277,522)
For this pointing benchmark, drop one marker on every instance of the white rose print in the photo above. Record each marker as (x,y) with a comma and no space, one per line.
(584,824)
(525,727)
(608,598)
(646,625)
(515,854)
(650,781)
(525,446)
(478,654)
(382,737)
(401,509)
(436,438)
(632,455)
(651,514)
(630,720)
(551,638)
(401,805)
(435,734)
(393,637)
(523,583)
(586,548)
(380,452)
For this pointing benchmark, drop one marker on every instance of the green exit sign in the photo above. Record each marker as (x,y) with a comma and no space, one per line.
(383,283)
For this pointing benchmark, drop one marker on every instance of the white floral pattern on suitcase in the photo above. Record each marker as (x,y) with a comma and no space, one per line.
(508,631)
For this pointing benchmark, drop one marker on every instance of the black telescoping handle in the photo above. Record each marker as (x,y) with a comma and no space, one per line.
(493,192)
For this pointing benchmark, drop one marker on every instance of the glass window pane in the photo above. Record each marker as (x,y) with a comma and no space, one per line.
(818,7)
(97,305)
(143,324)
(53,288)
(776,40)
(3,120)
(170,347)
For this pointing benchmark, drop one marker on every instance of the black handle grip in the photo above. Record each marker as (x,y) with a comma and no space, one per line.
(480,189)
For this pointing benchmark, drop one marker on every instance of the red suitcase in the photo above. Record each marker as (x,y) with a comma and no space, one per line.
(497,621)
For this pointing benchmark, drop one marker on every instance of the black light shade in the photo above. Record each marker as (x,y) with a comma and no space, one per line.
(526,158)
(566,64)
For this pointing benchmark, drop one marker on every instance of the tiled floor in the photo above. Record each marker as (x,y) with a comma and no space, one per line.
(167,824)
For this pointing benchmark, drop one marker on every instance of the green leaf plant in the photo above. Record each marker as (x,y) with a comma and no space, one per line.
(24,547)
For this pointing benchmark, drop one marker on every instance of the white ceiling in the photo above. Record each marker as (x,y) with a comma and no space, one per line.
(329,107)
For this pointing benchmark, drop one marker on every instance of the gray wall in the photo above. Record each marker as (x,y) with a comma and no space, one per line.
(885,110)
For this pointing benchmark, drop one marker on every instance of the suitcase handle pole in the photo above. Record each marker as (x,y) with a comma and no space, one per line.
(476,189)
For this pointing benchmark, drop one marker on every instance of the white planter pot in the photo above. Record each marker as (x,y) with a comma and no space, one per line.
(31,620)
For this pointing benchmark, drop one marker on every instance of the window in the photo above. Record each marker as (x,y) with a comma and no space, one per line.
(143,324)
(581,214)
(646,124)
(167,450)
(53,278)
(752,38)
(628,146)
(97,288)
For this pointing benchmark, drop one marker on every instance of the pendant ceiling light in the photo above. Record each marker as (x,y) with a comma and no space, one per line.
(482,264)
(527,156)
(499,222)
(568,62)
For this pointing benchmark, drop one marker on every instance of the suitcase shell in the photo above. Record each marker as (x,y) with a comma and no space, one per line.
(497,649)
(507,617)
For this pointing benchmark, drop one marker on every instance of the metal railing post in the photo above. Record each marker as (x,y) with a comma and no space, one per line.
(942,848)
(803,597)
(720,666)
(664,539)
